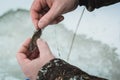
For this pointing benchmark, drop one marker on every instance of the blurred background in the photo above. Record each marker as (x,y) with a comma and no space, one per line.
(96,48)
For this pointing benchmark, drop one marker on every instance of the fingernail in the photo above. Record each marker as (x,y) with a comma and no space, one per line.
(61,18)
(38,39)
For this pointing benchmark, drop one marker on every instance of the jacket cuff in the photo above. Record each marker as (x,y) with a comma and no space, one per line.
(88,4)
(48,68)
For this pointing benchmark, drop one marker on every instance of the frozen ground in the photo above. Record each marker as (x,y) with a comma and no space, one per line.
(88,53)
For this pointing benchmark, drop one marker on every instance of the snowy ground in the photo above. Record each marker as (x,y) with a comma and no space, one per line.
(96,49)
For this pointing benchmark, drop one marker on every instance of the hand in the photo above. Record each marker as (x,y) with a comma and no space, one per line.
(45,12)
(31,67)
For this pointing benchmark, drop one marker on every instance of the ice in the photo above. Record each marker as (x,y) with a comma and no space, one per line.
(92,56)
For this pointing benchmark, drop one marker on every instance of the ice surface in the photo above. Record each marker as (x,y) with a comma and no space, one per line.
(90,55)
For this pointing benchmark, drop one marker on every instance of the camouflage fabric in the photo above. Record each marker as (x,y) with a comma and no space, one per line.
(92,4)
(58,69)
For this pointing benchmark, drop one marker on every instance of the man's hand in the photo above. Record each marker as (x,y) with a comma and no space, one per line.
(31,67)
(45,12)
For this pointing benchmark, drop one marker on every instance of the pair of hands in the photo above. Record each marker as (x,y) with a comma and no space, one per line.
(43,13)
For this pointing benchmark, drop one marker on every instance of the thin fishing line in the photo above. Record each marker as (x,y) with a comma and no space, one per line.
(74,35)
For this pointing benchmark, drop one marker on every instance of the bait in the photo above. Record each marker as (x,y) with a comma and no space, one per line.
(33,51)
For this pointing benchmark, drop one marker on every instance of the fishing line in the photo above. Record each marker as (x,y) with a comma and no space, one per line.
(74,34)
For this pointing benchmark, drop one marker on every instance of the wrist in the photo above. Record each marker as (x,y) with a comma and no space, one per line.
(47,60)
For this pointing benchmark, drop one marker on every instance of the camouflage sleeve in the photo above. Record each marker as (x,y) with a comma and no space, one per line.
(58,69)
(92,4)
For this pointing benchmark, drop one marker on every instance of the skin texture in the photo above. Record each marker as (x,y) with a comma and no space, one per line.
(45,12)
(31,67)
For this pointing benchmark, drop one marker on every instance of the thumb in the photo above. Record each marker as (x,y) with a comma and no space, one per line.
(50,16)
(44,49)
(42,45)
(45,53)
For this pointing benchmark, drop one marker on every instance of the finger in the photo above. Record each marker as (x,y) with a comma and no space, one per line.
(57,20)
(34,11)
(45,53)
(24,46)
(21,57)
(43,47)
(51,15)
(41,44)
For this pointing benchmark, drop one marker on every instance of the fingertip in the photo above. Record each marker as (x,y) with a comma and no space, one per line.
(38,40)
(37,28)
(27,41)
(42,24)
(36,25)
(41,42)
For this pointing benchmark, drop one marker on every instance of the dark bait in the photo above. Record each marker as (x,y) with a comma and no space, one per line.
(33,51)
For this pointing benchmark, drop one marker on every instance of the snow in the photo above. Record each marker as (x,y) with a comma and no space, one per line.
(96,49)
